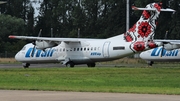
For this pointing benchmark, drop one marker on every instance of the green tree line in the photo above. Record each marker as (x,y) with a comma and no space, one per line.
(94,19)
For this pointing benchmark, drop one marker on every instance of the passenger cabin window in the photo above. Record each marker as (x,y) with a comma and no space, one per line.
(119,48)
(94,48)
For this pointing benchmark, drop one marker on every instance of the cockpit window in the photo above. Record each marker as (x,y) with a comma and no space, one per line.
(23,48)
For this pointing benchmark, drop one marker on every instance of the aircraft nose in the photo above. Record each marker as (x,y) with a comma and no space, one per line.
(17,56)
(142,55)
(145,55)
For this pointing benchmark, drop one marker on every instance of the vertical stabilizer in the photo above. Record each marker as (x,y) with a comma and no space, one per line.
(142,33)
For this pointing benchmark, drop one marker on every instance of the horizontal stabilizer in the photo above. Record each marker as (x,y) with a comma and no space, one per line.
(137,8)
(168,10)
(153,9)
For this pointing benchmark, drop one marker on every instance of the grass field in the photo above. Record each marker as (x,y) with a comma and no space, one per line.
(119,61)
(109,79)
(7,60)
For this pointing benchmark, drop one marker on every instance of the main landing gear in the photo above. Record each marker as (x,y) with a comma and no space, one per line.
(91,64)
(26,65)
(71,64)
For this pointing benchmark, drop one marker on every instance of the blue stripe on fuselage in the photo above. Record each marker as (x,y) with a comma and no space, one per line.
(39,53)
(157,52)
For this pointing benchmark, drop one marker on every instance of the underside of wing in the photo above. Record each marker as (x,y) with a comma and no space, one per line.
(168,41)
(56,40)
(48,42)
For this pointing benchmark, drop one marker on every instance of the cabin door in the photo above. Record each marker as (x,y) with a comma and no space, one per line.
(106,49)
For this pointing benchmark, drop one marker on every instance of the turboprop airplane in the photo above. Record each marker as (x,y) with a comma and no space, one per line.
(162,54)
(168,52)
(74,51)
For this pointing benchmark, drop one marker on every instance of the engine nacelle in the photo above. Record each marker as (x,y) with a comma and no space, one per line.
(44,44)
(171,46)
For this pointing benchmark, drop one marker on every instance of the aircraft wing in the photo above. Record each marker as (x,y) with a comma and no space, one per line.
(168,41)
(56,40)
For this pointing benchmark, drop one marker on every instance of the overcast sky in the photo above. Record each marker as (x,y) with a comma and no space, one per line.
(36,5)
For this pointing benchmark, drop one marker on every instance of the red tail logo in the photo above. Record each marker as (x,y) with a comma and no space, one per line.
(143,31)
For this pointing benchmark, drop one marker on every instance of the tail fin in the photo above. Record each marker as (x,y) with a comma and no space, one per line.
(142,33)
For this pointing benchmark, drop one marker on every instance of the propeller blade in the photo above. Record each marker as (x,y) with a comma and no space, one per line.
(34,43)
(51,32)
(165,37)
(40,33)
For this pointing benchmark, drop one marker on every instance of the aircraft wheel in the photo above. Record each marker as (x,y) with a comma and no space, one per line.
(150,63)
(91,64)
(70,64)
(26,65)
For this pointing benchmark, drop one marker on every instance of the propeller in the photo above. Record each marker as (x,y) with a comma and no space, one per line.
(51,32)
(165,37)
(34,43)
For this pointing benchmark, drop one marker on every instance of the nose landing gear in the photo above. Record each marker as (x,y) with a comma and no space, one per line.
(26,65)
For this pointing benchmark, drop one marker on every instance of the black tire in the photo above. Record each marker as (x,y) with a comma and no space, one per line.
(70,64)
(26,65)
(91,64)
(150,63)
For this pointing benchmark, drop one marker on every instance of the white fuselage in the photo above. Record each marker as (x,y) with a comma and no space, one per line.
(85,51)
(166,56)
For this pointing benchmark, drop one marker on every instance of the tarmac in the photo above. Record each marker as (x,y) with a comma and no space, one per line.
(17,95)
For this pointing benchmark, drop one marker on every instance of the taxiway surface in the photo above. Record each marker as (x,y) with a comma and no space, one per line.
(15,95)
